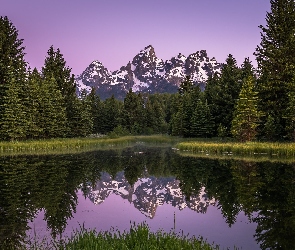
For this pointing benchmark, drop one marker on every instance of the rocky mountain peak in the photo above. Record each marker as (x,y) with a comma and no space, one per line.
(148,73)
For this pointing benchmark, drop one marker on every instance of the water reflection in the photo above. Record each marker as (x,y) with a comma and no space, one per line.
(148,178)
(147,193)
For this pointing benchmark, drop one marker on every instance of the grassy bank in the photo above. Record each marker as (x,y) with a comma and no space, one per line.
(76,145)
(139,238)
(239,149)
(205,147)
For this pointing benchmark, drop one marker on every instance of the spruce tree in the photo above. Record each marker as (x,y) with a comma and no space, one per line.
(212,92)
(290,112)
(110,115)
(276,62)
(230,85)
(33,104)
(86,114)
(246,114)
(12,82)
(133,112)
(202,123)
(55,66)
(13,123)
(95,110)
(222,92)
(52,115)
(185,86)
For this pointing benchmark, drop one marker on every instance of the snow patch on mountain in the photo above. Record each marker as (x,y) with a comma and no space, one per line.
(148,73)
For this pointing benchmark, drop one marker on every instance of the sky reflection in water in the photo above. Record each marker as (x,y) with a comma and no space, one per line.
(141,188)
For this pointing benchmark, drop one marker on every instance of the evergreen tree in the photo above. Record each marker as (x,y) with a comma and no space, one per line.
(133,112)
(202,123)
(276,61)
(246,114)
(177,123)
(212,92)
(12,82)
(110,115)
(290,112)
(33,104)
(185,86)
(55,66)
(95,110)
(86,127)
(247,69)
(230,85)
(13,123)
(222,92)
(52,116)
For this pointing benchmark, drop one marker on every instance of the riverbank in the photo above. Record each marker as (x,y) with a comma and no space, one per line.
(77,145)
(203,146)
(239,149)
(139,237)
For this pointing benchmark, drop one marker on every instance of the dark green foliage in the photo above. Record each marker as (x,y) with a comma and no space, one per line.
(13,123)
(55,66)
(290,111)
(202,123)
(52,116)
(212,92)
(222,93)
(186,85)
(246,114)
(110,115)
(271,128)
(230,85)
(95,110)
(276,63)
(134,113)
(33,104)
(12,83)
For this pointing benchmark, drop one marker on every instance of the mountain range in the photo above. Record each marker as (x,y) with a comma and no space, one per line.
(147,73)
(148,193)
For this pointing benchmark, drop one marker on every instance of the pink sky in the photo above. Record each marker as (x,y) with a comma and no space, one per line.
(113,32)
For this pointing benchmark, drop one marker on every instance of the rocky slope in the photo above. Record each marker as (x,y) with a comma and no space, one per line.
(147,73)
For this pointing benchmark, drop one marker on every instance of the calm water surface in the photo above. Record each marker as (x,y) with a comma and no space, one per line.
(250,205)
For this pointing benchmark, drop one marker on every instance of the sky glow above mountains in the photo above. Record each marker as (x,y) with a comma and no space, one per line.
(114,31)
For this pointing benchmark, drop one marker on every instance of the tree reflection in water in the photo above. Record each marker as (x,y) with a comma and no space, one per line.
(264,191)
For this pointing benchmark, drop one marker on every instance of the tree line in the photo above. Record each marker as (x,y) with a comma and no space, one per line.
(240,102)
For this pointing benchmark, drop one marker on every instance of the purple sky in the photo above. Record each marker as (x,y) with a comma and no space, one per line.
(114,31)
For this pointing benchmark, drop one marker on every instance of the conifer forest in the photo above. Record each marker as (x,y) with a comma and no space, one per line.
(242,102)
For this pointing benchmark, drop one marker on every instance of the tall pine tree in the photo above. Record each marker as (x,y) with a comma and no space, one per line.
(276,62)
(55,66)
(12,83)
(222,93)
(246,114)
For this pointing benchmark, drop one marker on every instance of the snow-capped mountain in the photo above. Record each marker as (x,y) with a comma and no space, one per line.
(147,73)
(148,193)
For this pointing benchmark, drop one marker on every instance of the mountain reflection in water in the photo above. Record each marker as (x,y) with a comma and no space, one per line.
(251,201)
(148,193)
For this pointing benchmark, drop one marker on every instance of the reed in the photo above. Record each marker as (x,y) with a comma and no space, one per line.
(245,158)
(139,238)
(236,148)
(76,145)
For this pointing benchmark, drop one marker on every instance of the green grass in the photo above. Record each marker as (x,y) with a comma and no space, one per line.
(138,238)
(76,145)
(239,149)
(207,147)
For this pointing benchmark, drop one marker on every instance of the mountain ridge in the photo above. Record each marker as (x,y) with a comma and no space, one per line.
(147,73)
